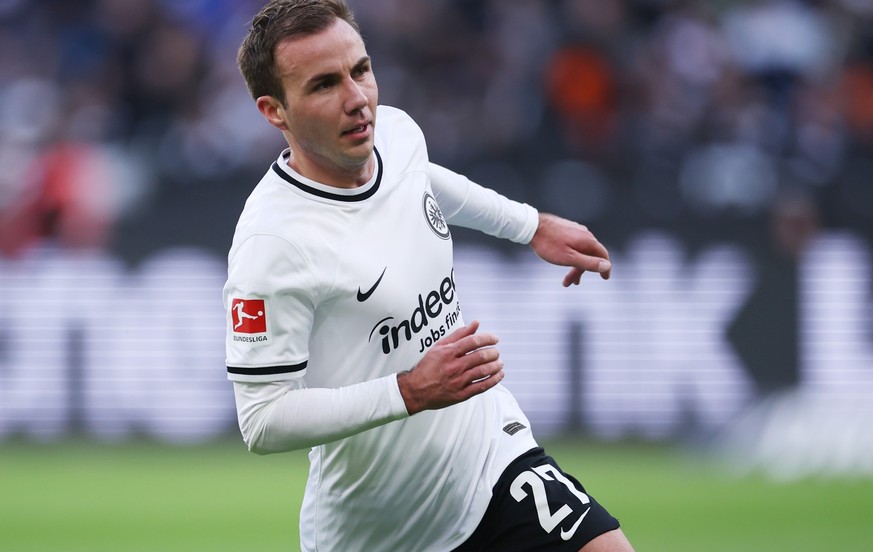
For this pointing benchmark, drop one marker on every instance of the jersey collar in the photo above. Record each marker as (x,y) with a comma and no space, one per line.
(281,168)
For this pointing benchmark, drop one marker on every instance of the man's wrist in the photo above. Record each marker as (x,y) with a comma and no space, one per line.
(407,392)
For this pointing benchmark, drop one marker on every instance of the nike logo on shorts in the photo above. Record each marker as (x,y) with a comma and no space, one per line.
(364,295)
(567,535)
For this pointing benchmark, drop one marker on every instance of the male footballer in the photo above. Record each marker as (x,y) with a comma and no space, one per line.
(345,331)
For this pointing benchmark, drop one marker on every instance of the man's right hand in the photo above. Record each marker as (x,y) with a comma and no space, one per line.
(457,367)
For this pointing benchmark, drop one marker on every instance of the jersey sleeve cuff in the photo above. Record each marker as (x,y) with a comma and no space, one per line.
(529,228)
(398,405)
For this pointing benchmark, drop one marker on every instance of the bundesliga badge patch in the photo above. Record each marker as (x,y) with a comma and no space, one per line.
(249,317)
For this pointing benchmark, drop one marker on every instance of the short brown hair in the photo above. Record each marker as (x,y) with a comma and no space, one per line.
(276,21)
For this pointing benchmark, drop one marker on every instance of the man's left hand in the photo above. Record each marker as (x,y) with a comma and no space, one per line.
(563,242)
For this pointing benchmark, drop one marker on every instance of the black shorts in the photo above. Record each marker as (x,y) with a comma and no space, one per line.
(536,506)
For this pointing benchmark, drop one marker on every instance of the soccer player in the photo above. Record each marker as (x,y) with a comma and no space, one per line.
(362,352)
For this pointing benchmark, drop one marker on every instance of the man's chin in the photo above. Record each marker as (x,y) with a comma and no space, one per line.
(359,156)
(360,161)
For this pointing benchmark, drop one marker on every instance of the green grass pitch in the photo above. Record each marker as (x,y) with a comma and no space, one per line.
(86,497)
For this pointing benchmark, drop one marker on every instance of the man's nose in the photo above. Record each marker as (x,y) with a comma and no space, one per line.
(355,97)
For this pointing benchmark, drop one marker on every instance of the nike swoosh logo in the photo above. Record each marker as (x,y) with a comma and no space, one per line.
(567,535)
(364,295)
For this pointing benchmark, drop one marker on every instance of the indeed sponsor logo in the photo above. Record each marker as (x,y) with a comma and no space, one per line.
(430,308)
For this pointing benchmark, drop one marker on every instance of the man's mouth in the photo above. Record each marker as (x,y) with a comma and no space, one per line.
(357,130)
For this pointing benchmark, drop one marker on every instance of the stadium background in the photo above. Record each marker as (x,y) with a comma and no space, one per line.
(719,385)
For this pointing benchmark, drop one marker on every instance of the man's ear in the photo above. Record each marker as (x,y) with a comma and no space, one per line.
(272,110)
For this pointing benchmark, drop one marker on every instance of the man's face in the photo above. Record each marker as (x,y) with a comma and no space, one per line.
(330,104)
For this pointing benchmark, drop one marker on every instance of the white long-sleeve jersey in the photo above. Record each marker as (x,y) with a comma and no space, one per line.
(330,293)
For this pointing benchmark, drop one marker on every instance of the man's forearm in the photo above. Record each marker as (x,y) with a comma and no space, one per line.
(282,416)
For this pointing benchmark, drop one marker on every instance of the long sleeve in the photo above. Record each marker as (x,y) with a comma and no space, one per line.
(284,416)
(467,204)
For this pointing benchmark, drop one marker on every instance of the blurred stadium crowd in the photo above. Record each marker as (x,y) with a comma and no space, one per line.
(125,122)
(673,128)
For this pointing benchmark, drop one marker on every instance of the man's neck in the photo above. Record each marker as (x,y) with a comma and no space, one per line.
(338,178)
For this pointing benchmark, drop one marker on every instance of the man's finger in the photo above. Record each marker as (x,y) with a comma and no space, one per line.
(573,277)
(589,245)
(484,384)
(485,371)
(461,333)
(483,356)
(600,266)
(470,343)
(592,264)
